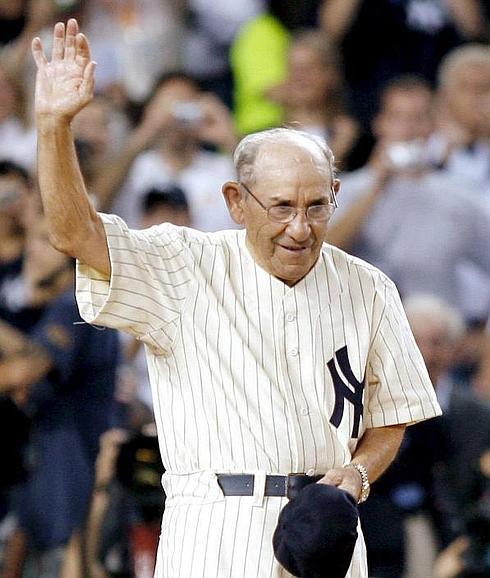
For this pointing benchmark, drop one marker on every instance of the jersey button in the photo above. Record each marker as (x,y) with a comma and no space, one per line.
(290,317)
(310,472)
(293,352)
(304,411)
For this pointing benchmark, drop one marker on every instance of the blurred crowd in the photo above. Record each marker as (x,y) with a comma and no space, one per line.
(400,89)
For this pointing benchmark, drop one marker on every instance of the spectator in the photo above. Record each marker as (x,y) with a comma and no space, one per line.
(211,28)
(16,193)
(437,329)
(177,119)
(467,556)
(258,59)
(100,135)
(402,500)
(381,39)
(63,374)
(148,35)
(415,223)
(429,489)
(313,97)
(461,145)
(127,505)
(258,62)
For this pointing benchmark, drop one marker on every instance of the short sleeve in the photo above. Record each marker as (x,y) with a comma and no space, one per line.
(399,388)
(150,276)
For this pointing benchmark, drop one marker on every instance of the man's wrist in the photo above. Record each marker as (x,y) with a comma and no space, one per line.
(49,124)
(365,485)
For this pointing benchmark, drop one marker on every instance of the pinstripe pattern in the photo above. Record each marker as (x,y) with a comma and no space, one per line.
(238,365)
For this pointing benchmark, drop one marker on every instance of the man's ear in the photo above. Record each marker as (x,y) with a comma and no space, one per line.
(233,197)
(336,186)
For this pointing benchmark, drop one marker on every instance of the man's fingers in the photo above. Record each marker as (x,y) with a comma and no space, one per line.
(72,27)
(82,49)
(38,53)
(88,82)
(346,479)
(332,477)
(70,40)
(58,42)
(348,486)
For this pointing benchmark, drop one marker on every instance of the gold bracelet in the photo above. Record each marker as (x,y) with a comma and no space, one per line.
(365,485)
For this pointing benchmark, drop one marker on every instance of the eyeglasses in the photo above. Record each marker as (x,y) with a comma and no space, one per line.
(286,214)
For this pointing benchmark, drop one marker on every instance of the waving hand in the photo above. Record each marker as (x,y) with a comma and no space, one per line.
(65,84)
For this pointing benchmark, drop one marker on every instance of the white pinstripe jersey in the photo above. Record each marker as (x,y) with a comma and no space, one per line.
(242,368)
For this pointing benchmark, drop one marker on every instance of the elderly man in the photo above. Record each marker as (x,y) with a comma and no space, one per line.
(269,351)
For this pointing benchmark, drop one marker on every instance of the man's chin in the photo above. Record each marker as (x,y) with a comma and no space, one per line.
(291,274)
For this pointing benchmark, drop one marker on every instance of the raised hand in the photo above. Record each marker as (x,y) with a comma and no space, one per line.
(65,84)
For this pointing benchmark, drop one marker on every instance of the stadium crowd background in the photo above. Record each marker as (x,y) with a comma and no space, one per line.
(401,91)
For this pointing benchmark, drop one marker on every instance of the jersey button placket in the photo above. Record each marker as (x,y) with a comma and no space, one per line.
(292,377)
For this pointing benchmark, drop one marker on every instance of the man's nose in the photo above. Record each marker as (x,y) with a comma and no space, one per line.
(299,228)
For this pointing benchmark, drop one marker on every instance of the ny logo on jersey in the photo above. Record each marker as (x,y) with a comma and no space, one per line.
(343,392)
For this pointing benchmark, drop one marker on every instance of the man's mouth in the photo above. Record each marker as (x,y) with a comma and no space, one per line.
(293,248)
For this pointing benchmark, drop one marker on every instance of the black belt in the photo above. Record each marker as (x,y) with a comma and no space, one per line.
(281,486)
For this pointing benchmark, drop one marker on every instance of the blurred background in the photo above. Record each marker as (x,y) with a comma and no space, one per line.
(400,90)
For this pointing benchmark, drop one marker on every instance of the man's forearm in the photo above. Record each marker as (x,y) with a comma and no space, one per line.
(73,224)
(65,201)
(378,448)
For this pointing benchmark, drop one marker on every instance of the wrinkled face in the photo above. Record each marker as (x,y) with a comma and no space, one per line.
(468,95)
(404,115)
(434,344)
(290,175)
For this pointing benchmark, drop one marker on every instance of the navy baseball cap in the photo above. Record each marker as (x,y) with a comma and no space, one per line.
(316,533)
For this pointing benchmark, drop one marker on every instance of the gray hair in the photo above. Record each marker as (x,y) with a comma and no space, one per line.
(433,308)
(247,149)
(467,55)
